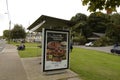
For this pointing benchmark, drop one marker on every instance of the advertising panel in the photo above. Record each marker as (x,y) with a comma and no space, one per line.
(55,50)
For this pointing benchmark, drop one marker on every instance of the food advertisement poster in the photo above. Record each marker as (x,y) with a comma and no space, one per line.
(56,50)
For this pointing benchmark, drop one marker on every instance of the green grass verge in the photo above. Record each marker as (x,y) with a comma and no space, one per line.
(31,50)
(95,65)
(26,44)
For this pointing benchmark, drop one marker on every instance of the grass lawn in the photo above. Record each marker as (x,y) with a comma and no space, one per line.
(95,65)
(31,50)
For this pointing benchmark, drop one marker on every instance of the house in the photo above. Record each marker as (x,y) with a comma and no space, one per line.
(33,37)
(95,36)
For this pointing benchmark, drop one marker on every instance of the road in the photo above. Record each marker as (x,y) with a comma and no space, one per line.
(104,49)
(2,45)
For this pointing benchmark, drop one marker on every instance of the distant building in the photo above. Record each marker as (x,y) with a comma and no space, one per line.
(33,37)
(95,36)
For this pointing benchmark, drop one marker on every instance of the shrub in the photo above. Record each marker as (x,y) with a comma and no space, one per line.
(79,40)
(103,41)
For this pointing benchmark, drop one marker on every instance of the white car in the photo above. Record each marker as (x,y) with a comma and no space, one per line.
(89,44)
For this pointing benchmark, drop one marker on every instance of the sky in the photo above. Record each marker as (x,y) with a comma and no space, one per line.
(25,12)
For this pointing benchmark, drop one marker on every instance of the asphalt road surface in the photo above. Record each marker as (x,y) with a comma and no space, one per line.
(2,44)
(104,49)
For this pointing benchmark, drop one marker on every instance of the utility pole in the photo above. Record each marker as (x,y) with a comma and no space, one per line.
(9,21)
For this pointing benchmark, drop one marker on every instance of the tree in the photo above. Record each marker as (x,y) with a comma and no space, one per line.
(18,32)
(113,32)
(108,5)
(81,26)
(6,34)
(98,22)
(80,30)
(79,17)
(115,18)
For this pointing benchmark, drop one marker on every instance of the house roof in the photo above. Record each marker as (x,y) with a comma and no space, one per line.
(47,21)
(93,38)
(96,36)
(99,34)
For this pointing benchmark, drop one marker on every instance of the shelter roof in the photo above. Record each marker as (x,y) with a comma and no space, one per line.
(47,21)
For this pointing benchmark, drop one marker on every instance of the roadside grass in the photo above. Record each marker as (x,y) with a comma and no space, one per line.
(95,65)
(31,50)
(26,44)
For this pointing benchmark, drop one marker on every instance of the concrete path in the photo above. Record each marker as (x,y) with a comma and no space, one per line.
(11,67)
(2,45)
(34,71)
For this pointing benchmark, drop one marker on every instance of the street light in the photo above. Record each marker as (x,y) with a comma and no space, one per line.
(9,21)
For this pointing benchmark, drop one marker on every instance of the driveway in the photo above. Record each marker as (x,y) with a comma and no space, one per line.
(104,49)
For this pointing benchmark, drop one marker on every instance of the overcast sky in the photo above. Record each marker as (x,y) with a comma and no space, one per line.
(25,12)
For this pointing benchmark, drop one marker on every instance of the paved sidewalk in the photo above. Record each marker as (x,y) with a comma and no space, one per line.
(33,69)
(11,67)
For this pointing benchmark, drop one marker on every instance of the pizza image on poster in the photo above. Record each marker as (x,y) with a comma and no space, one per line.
(56,50)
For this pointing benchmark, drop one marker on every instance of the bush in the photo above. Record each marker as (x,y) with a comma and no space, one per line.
(103,41)
(79,40)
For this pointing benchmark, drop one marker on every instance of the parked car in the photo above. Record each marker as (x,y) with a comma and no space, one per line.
(89,44)
(115,50)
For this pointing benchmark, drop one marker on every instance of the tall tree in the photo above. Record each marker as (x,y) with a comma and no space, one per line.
(113,32)
(94,5)
(80,30)
(6,34)
(113,29)
(115,18)
(79,17)
(18,32)
(81,23)
(98,22)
